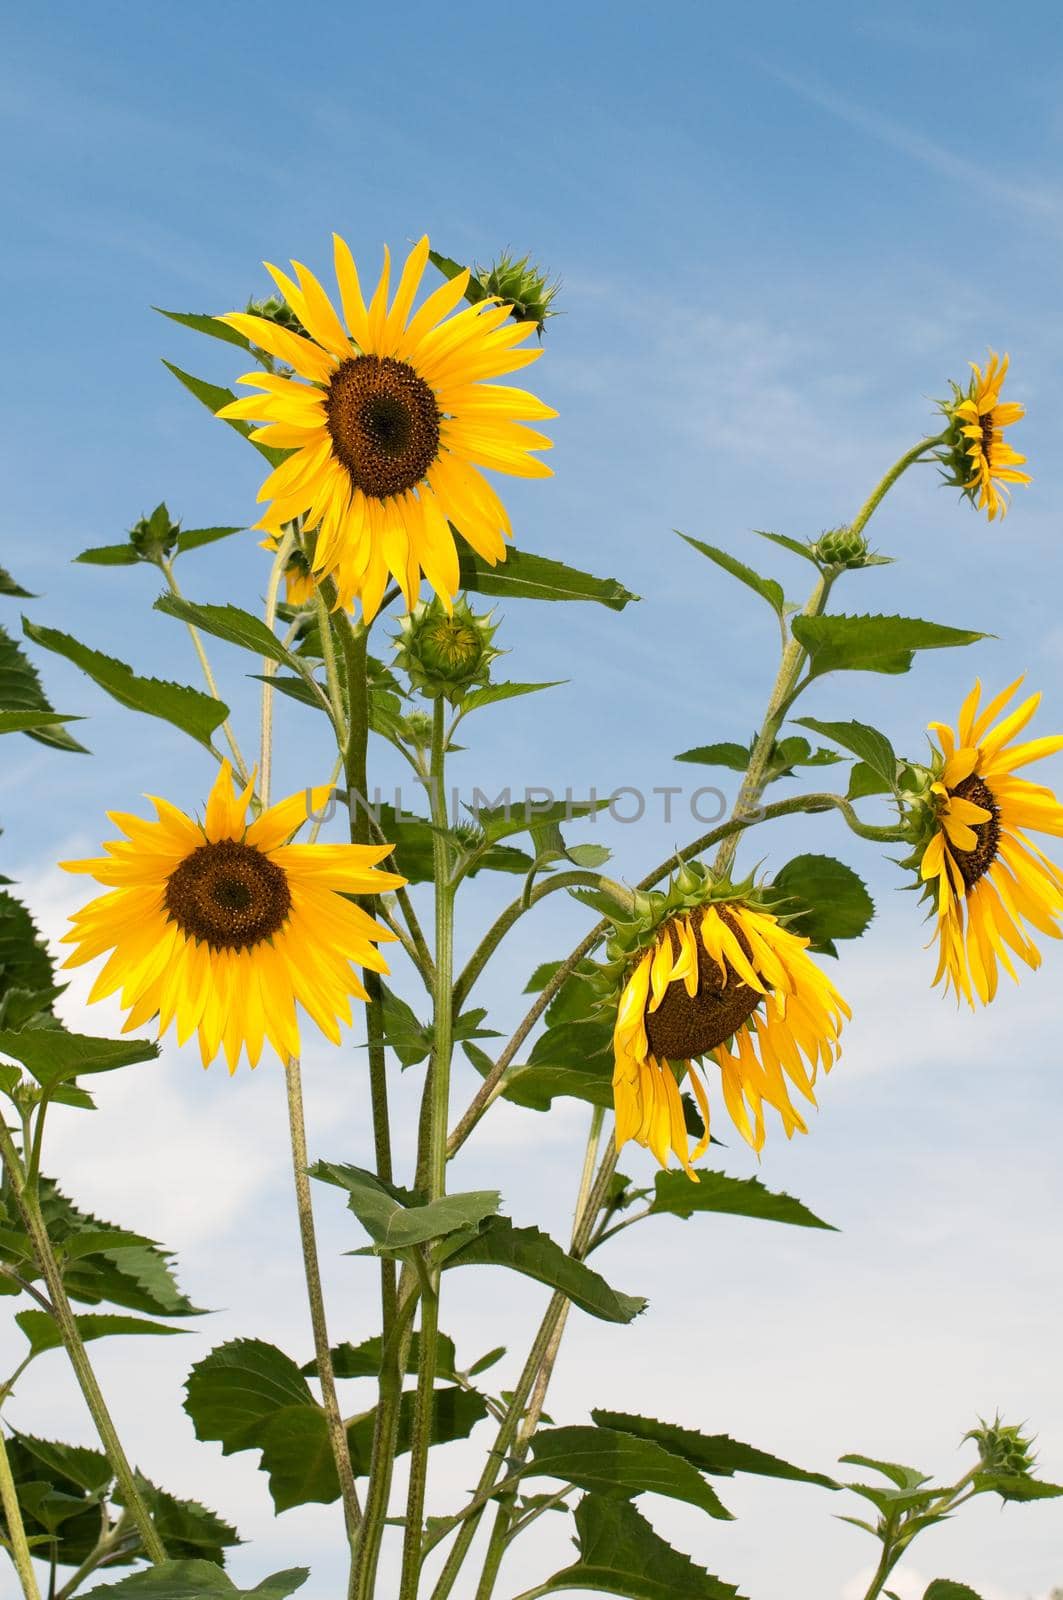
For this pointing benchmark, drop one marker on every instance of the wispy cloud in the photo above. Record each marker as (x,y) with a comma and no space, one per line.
(1038,201)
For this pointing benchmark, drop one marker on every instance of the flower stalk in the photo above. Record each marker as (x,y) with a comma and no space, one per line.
(16,1531)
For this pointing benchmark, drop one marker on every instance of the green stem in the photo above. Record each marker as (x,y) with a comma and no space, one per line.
(499,1456)
(437,1094)
(755,780)
(883,488)
(337,1433)
(577,879)
(269,667)
(208,672)
(504,1518)
(29,1207)
(108,1548)
(353,643)
(16,1531)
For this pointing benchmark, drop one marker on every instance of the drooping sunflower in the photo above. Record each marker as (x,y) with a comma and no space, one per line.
(982,462)
(389,421)
(223,925)
(987,877)
(724,980)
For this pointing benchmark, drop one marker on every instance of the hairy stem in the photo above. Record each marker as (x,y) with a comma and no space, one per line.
(882,488)
(269,667)
(29,1208)
(239,763)
(437,1094)
(16,1531)
(312,1271)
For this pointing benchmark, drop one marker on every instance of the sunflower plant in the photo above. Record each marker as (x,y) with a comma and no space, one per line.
(698,992)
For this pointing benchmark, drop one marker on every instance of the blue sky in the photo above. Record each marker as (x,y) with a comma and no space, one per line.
(780,232)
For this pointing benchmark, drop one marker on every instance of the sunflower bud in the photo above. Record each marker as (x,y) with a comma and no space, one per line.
(276,310)
(155,537)
(446,655)
(521,285)
(841,547)
(1002,1448)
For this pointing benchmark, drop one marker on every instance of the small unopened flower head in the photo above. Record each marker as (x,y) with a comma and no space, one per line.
(276,310)
(841,547)
(1003,1448)
(446,652)
(523,286)
(156,536)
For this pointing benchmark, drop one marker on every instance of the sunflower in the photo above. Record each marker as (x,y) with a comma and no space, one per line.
(223,926)
(982,462)
(987,876)
(391,426)
(727,980)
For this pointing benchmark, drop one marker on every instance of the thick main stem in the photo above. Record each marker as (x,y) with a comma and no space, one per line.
(30,1211)
(337,1433)
(437,1092)
(16,1531)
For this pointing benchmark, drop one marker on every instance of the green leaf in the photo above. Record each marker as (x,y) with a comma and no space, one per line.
(200,1580)
(825,900)
(205,324)
(396,1218)
(231,624)
(42,1331)
(905,1478)
(188,1529)
(196,538)
(474,290)
(455,1413)
(527,577)
(111,555)
(363,1360)
(715,1453)
(20,690)
(52,1054)
(872,644)
(740,1197)
(190,710)
(27,977)
(735,757)
(767,588)
(239,1386)
(74,1465)
(867,743)
(947,1589)
(413,838)
(1015,1486)
(213,396)
(793,545)
(620,1554)
(606,1461)
(494,692)
(138,1278)
(864,781)
(523,816)
(31,721)
(536,1255)
(9,586)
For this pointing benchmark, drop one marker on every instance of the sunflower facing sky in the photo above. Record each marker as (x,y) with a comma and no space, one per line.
(725,980)
(988,878)
(983,463)
(223,926)
(390,423)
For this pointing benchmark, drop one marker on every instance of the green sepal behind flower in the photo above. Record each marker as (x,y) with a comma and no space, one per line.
(446,654)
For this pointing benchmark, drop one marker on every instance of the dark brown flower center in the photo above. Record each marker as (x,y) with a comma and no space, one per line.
(384,424)
(689,1025)
(988,435)
(228,895)
(974,864)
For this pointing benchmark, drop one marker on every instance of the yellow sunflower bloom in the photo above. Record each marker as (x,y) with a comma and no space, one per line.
(389,421)
(725,980)
(224,925)
(980,450)
(988,877)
